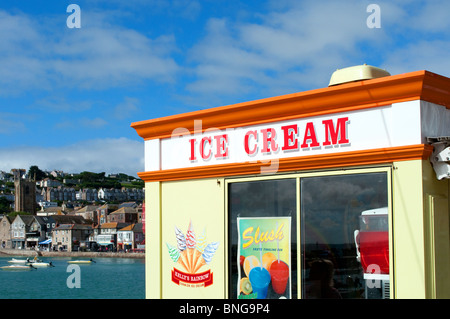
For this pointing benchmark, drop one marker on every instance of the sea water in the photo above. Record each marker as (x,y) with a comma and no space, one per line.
(107,278)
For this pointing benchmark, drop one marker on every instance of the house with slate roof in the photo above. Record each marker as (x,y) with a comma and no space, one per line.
(130,237)
(19,229)
(5,232)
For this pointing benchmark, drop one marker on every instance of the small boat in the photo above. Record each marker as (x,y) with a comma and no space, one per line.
(19,261)
(41,264)
(18,267)
(25,261)
(81,261)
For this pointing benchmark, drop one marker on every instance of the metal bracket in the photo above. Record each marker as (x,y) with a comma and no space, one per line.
(440,158)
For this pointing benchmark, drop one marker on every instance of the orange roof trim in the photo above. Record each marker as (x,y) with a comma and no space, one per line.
(422,85)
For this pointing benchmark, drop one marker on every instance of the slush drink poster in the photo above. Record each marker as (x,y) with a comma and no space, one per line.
(264,258)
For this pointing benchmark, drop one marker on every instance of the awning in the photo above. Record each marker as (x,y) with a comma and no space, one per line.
(103,243)
(45,242)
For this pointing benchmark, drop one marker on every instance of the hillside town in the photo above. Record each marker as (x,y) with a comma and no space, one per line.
(60,212)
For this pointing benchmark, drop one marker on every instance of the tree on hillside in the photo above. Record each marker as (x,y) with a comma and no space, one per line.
(34,171)
(5,205)
(96,180)
(14,214)
(91,177)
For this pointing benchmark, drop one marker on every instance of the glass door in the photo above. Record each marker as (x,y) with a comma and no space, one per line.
(345,236)
(262,239)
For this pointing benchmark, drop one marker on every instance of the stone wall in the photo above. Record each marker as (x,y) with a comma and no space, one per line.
(32,253)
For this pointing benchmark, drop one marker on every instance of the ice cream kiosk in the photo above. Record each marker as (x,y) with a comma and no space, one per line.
(337,192)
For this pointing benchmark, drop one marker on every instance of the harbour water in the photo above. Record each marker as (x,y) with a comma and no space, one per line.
(107,278)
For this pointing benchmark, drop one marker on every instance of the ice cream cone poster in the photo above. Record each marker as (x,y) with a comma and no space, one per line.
(264,258)
(192,255)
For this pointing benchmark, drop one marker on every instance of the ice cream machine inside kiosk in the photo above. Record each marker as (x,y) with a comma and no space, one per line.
(372,251)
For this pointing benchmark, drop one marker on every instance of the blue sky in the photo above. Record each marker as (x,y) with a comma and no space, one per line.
(69,95)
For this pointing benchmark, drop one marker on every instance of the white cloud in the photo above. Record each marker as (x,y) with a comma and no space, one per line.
(433,16)
(297,45)
(186,9)
(97,58)
(60,104)
(39,54)
(93,123)
(9,125)
(128,107)
(419,36)
(108,155)
(423,55)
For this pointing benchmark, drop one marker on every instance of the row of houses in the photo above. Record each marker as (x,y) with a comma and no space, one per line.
(91,228)
(61,193)
(128,212)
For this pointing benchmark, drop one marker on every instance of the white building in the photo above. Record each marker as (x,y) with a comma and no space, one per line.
(45,204)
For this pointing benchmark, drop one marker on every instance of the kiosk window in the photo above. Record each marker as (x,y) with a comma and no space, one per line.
(345,236)
(262,239)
